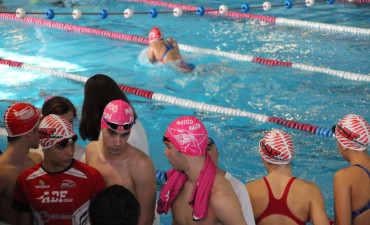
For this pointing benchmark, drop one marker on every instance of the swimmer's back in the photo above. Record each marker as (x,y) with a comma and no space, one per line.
(159,48)
(298,201)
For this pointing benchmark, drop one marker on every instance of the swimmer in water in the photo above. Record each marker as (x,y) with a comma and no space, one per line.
(166,51)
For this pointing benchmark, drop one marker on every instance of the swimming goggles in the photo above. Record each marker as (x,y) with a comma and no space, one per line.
(346,133)
(166,140)
(64,142)
(210,142)
(114,126)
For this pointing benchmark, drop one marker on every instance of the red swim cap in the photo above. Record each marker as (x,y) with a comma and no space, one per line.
(154,34)
(20,118)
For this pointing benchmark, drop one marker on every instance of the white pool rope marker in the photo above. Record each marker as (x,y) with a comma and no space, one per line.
(314,26)
(145,41)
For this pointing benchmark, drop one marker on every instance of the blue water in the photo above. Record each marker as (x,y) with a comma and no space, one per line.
(307,97)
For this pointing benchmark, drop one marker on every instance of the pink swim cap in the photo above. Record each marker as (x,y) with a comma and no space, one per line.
(118,115)
(154,34)
(188,135)
(20,118)
(54,129)
(48,98)
(277,147)
(353,132)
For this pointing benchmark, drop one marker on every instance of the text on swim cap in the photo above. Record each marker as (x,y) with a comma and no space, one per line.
(25,113)
(345,132)
(185,122)
(107,116)
(269,151)
(128,111)
(46,132)
(194,127)
(112,107)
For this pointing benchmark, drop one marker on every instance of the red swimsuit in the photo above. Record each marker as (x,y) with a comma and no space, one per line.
(278,206)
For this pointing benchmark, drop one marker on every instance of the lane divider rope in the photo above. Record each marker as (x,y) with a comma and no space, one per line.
(277,20)
(201,106)
(145,41)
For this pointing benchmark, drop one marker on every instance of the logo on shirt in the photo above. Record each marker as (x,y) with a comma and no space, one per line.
(46,217)
(68,184)
(42,185)
(54,197)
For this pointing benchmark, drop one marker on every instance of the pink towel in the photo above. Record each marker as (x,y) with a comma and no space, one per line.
(201,192)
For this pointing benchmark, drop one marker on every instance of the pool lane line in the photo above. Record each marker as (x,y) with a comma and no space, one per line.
(201,106)
(234,56)
(315,26)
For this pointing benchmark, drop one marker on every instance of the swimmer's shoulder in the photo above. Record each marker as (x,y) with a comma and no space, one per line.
(93,147)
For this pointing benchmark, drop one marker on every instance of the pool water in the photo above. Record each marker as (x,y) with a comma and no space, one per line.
(289,93)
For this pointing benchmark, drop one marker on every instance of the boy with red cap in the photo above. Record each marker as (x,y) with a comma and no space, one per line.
(58,190)
(21,121)
(195,192)
(166,51)
(121,163)
(352,184)
(280,198)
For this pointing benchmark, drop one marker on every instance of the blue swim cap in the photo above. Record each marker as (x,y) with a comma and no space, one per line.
(190,65)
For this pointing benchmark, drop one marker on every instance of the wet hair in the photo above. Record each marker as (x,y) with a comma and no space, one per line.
(99,91)
(58,105)
(114,205)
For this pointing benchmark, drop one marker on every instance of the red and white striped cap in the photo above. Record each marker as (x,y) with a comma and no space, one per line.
(353,132)
(53,129)
(277,147)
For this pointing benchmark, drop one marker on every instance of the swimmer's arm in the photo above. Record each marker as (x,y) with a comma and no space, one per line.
(226,207)
(342,198)
(89,151)
(145,186)
(151,55)
(318,214)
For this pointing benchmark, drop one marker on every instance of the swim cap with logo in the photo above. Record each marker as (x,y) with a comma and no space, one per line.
(118,113)
(54,129)
(154,34)
(277,147)
(188,135)
(20,118)
(353,132)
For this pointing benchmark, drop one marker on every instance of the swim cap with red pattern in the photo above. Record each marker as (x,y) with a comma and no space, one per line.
(277,147)
(53,129)
(20,118)
(154,34)
(353,132)
(188,135)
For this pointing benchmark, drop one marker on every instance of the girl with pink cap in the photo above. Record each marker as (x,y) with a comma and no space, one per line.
(166,51)
(280,198)
(352,184)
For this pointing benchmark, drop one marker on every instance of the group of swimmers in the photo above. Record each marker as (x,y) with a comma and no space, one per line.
(58,185)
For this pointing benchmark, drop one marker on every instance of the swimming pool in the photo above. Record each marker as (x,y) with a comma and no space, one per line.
(291,93)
